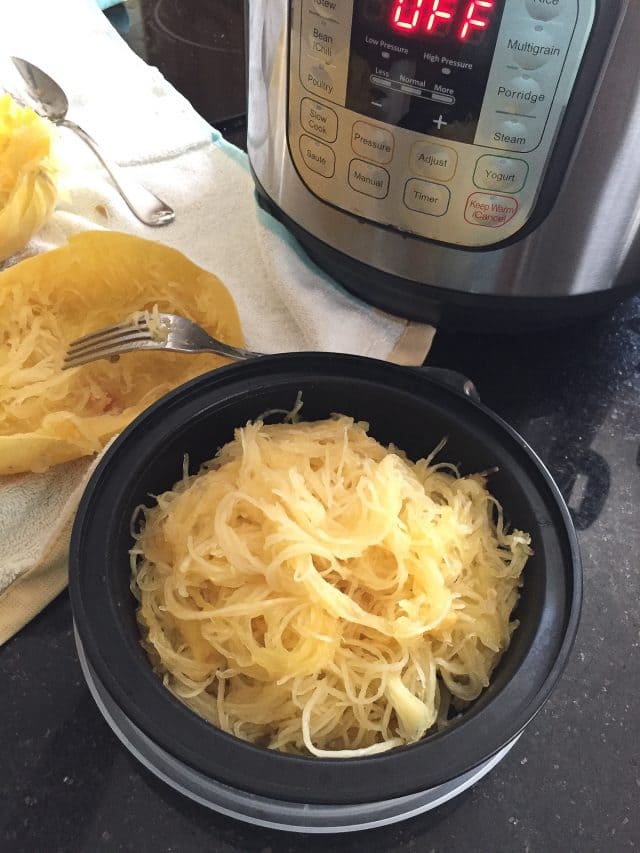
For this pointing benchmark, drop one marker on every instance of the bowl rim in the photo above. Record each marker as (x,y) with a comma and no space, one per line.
(157,713)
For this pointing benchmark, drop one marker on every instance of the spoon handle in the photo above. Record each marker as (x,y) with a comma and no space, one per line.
(146,206)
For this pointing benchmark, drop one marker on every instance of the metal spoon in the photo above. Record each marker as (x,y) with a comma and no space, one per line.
(52,103)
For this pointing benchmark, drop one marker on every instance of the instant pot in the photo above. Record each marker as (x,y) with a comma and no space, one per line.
(454,160)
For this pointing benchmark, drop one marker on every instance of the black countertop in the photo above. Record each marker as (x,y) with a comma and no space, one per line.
(571,783)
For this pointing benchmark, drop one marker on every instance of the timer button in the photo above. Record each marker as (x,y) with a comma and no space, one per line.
(368,179)
(433,161)
(506,174)
(490,210)
(425,197)
(319,119)
(373,143)
(317,156)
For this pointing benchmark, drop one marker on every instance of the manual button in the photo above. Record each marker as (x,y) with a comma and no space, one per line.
(317,156)
(425,197)
(368,179)
(506,174)
(490,210)
(374,143)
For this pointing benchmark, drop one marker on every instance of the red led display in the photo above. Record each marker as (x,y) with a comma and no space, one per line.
(468,19)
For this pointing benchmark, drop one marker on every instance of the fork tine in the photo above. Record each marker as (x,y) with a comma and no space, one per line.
(107,331)
(75,359)
(108,339)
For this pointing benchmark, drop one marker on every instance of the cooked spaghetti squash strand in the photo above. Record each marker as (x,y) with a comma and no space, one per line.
(312,591)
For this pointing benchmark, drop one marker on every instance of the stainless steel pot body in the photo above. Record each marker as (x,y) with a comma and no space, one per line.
(580,237)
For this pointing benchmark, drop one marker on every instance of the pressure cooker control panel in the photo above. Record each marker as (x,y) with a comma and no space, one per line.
(435,117)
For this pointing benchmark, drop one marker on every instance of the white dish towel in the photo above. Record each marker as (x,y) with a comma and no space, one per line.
(285,302)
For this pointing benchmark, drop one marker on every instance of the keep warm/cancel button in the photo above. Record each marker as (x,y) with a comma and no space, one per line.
(489,209)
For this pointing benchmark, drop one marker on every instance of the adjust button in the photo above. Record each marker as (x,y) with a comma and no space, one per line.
(506,174)
(319,119)
(490,210)
(368,179)
(374,143)
(433,161)
(425,197)
(317,156)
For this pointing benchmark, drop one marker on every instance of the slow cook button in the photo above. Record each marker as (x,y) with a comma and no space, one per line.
(317,156)
(425,197)
(373,143)
(490,210)
(433,161)
(319,119)
(368,179)
(500,173)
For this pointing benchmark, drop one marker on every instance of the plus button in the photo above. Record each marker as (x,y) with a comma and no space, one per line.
(440,122)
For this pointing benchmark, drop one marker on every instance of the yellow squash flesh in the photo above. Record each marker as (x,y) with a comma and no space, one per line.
(49,416)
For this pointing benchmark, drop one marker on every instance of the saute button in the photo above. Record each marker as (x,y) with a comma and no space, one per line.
(374,143)
(319,119)
(318,156)
(433,161)
(425,197)
(506,174)
(368,179)
(492,211)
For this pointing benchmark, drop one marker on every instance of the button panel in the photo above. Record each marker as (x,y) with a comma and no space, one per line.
(475,192)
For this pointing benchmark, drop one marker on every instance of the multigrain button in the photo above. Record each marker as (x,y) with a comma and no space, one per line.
(537,44)
(490,210)
(368,179)
(506,174)
(317,156)
(425,197)
(373,143)
(319,119)
(433,161)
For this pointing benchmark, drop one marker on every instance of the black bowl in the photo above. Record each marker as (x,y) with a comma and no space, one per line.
(404,406)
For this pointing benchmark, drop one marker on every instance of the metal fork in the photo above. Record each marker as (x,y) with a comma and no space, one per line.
(176,334)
